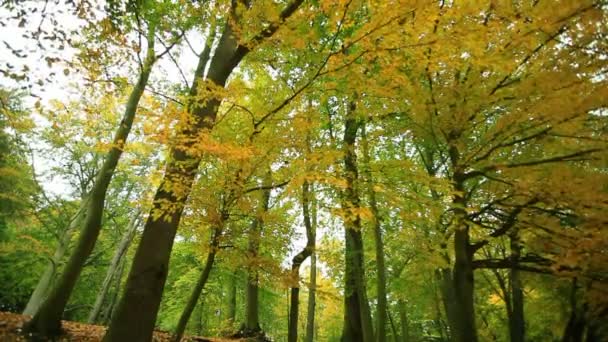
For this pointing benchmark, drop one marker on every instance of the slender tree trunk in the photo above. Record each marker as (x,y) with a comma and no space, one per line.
(113,268)
(516,319)
(47,321)
(357,317)
(310,319)
(252,318)
(46,280)
(298,259)
(148,273)
(405,324)
(232,299)
(379,244)
(108,311)
(200,285)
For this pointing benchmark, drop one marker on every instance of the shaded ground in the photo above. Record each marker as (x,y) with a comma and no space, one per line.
(11,323)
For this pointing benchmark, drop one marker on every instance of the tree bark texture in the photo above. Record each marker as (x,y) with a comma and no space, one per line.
(516,318)
(252,317)
(121,251)
(46,280)
(381,309)
(357,316)
(310,319)
(200,285)
(298,259)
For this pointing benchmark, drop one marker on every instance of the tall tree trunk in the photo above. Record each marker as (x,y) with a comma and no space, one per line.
(298,259)
(405,324)
(114,265)
(462,277)
(310,319)
(232,299)
(252,318)
(148,273)
(47,321)
(146,279)
(109,309)
(357,316)
(46,280)
(516,319)
(381,309)
(575,328)
(200,285)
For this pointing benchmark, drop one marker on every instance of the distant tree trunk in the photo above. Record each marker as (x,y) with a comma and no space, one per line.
(200,284)
(252,318)
(298,259)
(310,319)
(575,328)
(357,316)
(405,324)
(148,272)
(109,309)
(516,317)
(394,333)
(199,320)
(47,321)
(381,308)
(46,280)
(232,299)
(121,251)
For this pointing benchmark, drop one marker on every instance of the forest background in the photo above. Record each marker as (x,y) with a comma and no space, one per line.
(313,170)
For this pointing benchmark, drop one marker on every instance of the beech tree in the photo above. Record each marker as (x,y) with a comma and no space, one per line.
(413,171)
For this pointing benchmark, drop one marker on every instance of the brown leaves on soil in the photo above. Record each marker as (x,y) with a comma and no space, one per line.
(10,331)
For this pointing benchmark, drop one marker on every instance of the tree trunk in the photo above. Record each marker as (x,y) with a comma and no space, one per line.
(46,280)
(462,277)
(107,313)
(516,318)
(47,321)
(310,319)
(252,318)
(232,299)
(298,259)
(200,285)
(357,317)
(381,309)
(113,268)
(405,324)
(148,273)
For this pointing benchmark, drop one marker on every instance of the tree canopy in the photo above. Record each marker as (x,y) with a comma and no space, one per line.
(306,170)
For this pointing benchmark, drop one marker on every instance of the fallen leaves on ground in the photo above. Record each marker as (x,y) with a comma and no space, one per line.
(10,329)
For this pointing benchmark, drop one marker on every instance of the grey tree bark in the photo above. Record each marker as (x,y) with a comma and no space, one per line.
(46,280)
(121,251)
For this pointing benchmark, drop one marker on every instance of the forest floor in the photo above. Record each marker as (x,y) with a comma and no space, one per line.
(10,327)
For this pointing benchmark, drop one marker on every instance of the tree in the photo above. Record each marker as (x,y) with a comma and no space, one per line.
(149,270)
